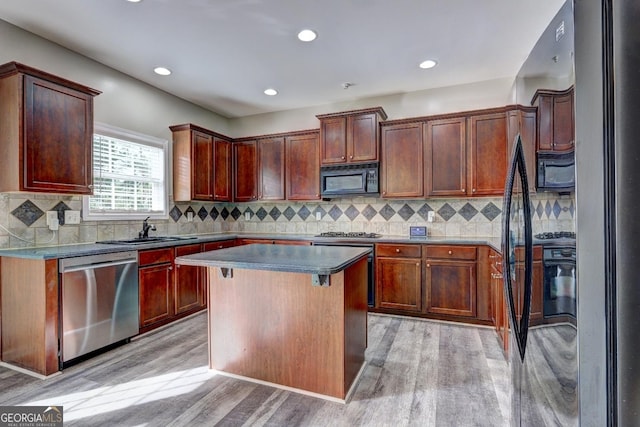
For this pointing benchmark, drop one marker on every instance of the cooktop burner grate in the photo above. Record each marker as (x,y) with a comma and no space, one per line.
(556,235)
(351,234)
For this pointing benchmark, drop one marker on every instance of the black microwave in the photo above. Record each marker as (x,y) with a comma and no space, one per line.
(349,180)
(556,172)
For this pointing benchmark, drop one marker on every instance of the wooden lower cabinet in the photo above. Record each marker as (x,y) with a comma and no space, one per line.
(155,281)
(189,285)
(537,292)
(450,280)
(399,283)
(274,242)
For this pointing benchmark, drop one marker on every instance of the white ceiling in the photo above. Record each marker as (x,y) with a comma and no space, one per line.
(224,53)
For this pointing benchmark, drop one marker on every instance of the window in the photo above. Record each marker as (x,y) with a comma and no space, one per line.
(129,176)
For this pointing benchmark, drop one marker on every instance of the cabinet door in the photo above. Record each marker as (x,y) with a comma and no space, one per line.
(333,142)
(202,166)
(524,123)
(563,122)
(245,184)
(488,154)
(303,167)
(58,121)
(399,283)
(545,122)
(188,285)
(222,189)
(402,163)
(451,287)
(156,296)
(271,161)
(362,137)
(446,157)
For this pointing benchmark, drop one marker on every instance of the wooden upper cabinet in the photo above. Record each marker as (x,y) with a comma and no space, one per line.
(402,162)
(271,169)
(487,154)
(245,170)
(556,127)
(523,121)
(222,156)
(303,167)
(446,157)
(42,116)
(350,136)
(201,164)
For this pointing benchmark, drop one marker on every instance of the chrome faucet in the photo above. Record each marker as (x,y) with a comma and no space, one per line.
(144,234)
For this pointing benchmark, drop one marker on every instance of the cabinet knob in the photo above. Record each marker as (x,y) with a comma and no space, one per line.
(170,268)
(342,157)
(428,265)
(351,157)
(417,264)
(462,190)
(450,252)
(473,190)
(397,251)
(384,192)
(317,195)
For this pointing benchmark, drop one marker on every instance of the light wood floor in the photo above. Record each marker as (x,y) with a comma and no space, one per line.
(419,373)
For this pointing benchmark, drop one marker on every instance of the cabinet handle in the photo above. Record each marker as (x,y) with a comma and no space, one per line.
(450,252)
(397,251)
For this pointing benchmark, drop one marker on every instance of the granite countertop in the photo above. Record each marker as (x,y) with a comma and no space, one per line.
(322,260)
(83,249)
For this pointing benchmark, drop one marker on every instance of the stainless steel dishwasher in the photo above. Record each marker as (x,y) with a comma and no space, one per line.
(99,298)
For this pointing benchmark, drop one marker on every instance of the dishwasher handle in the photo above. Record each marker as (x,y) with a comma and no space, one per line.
(98,265)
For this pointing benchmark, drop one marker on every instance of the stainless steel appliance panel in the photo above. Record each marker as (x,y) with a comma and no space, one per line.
(99,302)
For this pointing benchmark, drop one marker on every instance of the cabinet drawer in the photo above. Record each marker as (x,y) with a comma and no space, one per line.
(451,252)
(155,256)
(188,249)
(399,251)
(212,246)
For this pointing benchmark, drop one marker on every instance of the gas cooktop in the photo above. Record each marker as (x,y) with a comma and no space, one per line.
(351,234)
(549,235)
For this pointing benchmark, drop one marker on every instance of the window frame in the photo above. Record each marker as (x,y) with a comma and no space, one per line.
(138,138)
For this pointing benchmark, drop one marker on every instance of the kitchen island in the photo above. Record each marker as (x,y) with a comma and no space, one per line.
(293,317)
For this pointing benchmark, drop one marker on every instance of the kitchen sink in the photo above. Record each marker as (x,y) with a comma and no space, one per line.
(143,240)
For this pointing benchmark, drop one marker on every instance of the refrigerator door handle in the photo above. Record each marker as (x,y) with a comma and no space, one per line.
(512,249)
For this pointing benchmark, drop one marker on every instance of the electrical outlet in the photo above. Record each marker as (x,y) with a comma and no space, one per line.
(51,217)
(71,217)
(189,216)
(318,216)
(431,216)
(247,216)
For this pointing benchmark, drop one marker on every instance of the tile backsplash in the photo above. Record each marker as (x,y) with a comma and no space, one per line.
(23,223)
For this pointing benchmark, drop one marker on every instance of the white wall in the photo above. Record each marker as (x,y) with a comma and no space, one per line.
(125,102)
(487,94)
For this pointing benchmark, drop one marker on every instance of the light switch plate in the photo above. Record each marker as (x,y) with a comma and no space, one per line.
(71,217)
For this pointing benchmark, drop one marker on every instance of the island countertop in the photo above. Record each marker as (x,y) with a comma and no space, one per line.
(321,260)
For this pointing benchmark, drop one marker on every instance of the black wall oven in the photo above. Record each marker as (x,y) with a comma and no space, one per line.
(559,283)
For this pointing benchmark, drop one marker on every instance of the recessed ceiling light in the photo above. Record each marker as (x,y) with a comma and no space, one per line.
(162,71)
(270,92)
(429,63)
(134,1)
(307,35)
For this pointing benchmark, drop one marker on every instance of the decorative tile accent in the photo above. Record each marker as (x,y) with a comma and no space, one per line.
(468,211)
(446,212)
(572,209)
(60,208)
(556,209)
(224,213)
(321,210)
(235,213)
(214,213)
(539,210)
(275,213)
(261,213)
(202,213)
(424,211)
(289,213)
(335,212)
(304,212)
(387,212)
(27,212)
(175,213)
(491,211)
(547,209)
(369,212)
(406,212)
(352,212)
